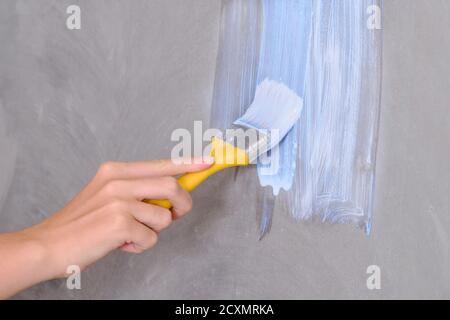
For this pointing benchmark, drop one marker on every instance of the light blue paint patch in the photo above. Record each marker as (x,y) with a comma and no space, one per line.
(325,52)
(285,47)
(338,128)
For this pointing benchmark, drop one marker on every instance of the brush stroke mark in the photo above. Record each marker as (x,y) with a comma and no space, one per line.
(237,61)
(324,51)
(337,140)
(283,57)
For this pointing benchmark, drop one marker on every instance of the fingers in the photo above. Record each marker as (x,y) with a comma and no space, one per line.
(130,225)
(112,174)
(156,168)
(153,188)
(113,198)
(140,238)
(154,217)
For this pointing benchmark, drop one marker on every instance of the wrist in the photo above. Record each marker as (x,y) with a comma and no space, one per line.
(23,262)
(37,253)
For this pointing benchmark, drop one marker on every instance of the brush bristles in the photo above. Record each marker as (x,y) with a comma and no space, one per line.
(275,107)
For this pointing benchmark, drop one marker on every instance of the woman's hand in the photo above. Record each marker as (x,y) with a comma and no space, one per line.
(107,214)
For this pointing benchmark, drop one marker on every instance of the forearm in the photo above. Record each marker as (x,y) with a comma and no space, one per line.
(22,262)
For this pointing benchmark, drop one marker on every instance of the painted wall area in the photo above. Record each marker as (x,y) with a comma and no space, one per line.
(117,88)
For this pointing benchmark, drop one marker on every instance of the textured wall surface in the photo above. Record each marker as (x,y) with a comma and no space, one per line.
(116,89)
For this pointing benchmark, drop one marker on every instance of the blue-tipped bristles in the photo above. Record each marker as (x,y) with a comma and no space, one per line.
(275,109)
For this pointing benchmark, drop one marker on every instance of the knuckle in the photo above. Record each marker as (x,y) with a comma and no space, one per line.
(152,240)
(149,242)
(117,206)
(120,223)
(185,207)
(172,186)
(112,188)
(107,169)
(165,220)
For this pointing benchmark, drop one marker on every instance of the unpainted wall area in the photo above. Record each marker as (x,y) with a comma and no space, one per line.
(117,88)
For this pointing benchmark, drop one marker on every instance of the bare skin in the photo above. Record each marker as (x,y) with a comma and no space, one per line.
(107,214)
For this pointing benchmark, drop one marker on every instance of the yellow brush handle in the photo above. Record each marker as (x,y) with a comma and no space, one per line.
(225,156)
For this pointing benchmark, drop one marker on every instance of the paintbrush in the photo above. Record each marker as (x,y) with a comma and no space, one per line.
(272,114)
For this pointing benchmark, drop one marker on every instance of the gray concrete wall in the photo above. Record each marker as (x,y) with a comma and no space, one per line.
(137,70)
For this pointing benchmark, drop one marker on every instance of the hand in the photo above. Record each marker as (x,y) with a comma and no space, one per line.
(107,214)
